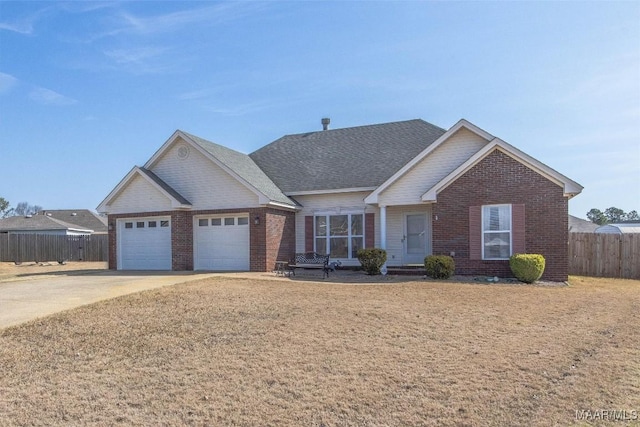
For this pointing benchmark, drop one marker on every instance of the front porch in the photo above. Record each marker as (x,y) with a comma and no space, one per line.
(406,235)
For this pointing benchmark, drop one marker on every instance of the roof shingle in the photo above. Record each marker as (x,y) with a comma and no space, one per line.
(357,157)
(37,223)
(83,218)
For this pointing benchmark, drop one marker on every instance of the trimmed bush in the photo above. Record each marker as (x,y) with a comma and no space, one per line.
(439,266)
(527,267)
(372,259)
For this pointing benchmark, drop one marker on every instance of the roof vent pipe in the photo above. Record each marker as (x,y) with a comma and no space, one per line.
(325,123)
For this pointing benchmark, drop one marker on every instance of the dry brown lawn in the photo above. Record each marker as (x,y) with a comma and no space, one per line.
(11,271)
(257,353)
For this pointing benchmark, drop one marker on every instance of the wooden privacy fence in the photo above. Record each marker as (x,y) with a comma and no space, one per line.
(45,247)
(604,255)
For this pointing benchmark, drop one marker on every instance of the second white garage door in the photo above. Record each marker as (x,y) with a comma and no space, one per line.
(221,243)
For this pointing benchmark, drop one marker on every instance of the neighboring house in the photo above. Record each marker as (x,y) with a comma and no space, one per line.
(624,228)
(40,224)
(80,217)
(409,187)
(579,225)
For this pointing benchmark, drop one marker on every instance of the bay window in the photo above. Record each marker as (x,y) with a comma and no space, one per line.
(340,236)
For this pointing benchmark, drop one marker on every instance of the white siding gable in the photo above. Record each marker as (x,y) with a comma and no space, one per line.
(139,196)
(202,182)
(453,152)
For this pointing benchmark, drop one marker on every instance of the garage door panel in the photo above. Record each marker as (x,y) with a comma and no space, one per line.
(221,243)
(145,244)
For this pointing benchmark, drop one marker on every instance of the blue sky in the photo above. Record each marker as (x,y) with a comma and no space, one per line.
(90,89)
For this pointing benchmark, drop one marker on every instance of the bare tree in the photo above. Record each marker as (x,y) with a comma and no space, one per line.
(24,209)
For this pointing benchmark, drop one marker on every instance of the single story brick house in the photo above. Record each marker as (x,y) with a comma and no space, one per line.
(409,187)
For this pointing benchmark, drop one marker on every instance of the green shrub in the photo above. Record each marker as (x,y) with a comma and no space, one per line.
(372,259)
(527,267)
(439,266)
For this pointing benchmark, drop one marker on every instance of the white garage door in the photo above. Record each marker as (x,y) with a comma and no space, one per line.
(144,244)
(221,243)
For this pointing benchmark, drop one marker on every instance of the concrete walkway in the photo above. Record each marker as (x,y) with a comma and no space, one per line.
(26,299)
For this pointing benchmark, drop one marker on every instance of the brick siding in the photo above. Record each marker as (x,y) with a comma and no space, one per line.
(499,179)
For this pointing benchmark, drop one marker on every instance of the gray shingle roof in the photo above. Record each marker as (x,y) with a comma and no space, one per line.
(579,225)
(166,187)
(37,223)
(83,218)
(357,157)
(244,167)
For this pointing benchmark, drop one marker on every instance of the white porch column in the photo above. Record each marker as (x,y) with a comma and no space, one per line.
(383,234)
(383,227)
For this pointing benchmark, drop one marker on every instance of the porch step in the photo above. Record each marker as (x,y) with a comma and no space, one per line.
(407,270)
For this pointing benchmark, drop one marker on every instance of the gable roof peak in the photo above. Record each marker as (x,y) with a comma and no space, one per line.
(239,165)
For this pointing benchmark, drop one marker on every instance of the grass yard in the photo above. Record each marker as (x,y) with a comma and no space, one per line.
(11,271)
(257,352)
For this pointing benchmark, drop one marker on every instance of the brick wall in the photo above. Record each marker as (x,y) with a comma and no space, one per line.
(280,237)
(181,241)
(499,179)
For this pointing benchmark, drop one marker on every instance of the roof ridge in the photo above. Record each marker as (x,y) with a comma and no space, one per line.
(65,223)
(200,139)
(362,127)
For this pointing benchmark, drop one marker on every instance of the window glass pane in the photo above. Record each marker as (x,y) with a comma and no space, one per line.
(243,220)
(496,218)
(497,245)
(356,244)
(140,224)
(339,225)
(321,227)
(216,221)
(321,245)
(152,224)
(356,225)
(203,222)
(229,221)
(339,247)
(128,225)
(415,244)
(164,223)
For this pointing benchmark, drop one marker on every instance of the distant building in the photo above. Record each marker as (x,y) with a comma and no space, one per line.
(579,225)
(65,222)
(40,224)
(82,217)
(625,228)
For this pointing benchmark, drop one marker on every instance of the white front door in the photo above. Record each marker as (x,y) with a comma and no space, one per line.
(417,237)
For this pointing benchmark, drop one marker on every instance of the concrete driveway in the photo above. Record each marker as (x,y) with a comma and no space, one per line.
(29,298)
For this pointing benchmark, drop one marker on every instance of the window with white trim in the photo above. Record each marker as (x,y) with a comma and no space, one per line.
(496,232)
(341,236)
